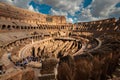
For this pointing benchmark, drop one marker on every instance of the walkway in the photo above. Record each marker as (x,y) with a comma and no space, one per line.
(85,45)
(23,51)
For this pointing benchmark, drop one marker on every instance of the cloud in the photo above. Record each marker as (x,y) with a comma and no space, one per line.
(69,6)
(19,3)
(6,1)
(85,15)
(63,7)
(100,9)
(70,20)
(59,12)
(33,9)
(22,3)
(115,12)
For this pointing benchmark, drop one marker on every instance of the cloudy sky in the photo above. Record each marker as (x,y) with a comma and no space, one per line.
(73,10)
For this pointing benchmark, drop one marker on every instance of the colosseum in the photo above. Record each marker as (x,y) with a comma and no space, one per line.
(36,46)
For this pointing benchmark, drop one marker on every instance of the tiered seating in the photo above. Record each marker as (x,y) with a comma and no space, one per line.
(9,36)
(96,58)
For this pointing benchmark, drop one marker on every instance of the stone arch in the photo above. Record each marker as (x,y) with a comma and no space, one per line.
(9,27)
(48,27)
(40,26)
(13,27)
(43,26)
(0,27)
(37,27)
(3,26)
(25,27)
(55,27)
(22,27)
(17,27)
(34,27)
(51,27)
(28,27)
(62,27)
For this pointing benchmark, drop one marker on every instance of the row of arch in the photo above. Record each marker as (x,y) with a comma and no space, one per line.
(32,37)
(101,27)
(14,43)
(104,21)
(10,27)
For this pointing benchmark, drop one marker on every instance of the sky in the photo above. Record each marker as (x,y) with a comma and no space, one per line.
(73,10)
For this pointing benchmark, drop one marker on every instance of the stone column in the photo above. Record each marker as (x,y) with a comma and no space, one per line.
(33,51)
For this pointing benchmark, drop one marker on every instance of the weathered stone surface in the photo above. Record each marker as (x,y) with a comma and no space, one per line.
(16,75)
(28,74)
(20,28)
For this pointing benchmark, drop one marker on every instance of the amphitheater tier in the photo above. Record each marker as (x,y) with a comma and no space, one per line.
(35,46)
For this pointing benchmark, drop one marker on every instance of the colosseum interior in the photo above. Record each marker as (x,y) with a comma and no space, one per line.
(36,46)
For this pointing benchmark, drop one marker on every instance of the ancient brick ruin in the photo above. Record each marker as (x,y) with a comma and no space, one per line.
(36,46)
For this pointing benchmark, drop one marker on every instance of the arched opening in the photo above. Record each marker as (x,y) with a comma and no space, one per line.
(31,27)
(77,28)
(9,27)
(21,27)
(3,26)
(13,27)
(62,27)
(25,27)
(28,27)
(34,28)
(17,27)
